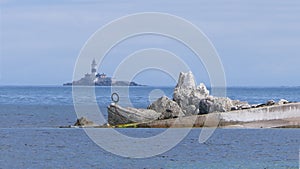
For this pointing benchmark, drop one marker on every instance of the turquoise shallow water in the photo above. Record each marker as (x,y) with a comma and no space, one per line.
(30,137)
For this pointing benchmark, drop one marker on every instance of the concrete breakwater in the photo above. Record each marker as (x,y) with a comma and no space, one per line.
(276,116)
(193,106)
(265,117)
(265,113)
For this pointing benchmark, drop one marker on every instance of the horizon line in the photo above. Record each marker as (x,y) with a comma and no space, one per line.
(229,86)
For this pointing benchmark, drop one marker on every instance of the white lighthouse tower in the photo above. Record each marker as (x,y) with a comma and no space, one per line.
(94,68)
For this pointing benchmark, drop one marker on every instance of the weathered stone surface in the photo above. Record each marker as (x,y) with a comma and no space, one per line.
(188,99)
(283,101)
(186,93)
(246,107)
(192,110)
(168,108)
(214,104)
(121,115)
(84,122)
(196,99)
(265,117)
(270,102)
(186,81)
(240,105)
(220,104)
(205,106)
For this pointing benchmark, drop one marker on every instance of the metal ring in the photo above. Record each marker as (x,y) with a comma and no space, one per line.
(115,97)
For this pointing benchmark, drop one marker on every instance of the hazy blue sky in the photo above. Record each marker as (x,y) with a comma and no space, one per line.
(257,41)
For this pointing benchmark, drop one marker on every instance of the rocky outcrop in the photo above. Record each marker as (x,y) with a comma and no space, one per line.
(205,106)
(84,122)
(196,99)
(187,95)
(270,103)
(240,105)
(120,115)
(214,104)
(168,108)
(188,99)
(210,105)
(221,104)
(282,102)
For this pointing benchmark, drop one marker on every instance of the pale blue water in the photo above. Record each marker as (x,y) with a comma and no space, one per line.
(29,137)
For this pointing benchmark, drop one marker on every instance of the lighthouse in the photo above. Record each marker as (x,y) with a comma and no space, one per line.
(94,67)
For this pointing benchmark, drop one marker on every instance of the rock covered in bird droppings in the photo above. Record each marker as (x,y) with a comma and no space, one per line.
(168,108)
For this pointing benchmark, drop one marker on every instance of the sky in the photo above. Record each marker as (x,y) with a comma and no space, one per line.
(258,42)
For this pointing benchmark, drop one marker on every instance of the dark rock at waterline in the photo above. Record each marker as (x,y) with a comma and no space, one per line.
(270,103)
(83,122)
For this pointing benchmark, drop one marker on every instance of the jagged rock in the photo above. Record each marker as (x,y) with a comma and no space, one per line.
(196,99)
(246,107)
(221,104)
(270,102)
(210,105)
(254,105)
(260,105)
(83,121)
(191,110)
(188,99)
(283,101)
(168,108)
(240,105)
(186,81)
(234,108)
(186,93)
(204,106)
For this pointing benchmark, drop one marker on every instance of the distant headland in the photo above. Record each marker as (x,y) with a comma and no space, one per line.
(96,79)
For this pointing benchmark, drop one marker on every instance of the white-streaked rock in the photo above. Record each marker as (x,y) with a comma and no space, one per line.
(270,102)
(186,93)
(168,108)
(283,101)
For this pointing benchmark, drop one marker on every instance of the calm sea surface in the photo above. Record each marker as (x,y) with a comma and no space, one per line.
(30,137)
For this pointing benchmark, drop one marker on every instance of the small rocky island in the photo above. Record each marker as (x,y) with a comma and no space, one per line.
(191,105)
(96,79)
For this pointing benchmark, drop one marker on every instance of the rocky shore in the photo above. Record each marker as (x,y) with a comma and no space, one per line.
(191,105)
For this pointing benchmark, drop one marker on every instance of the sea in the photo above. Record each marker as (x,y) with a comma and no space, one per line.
(30,136)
